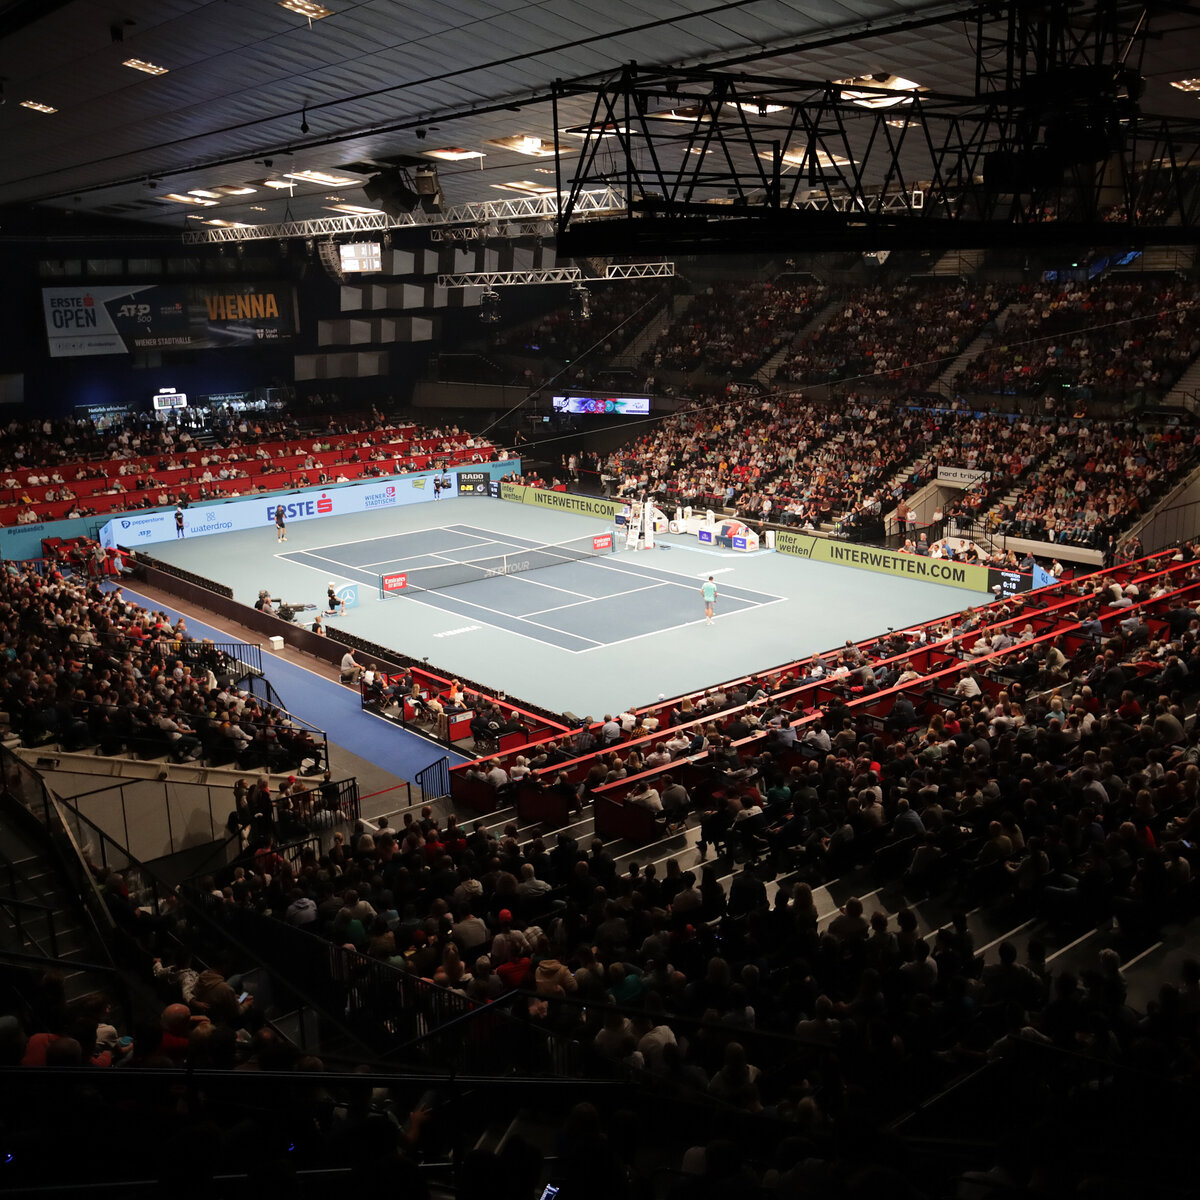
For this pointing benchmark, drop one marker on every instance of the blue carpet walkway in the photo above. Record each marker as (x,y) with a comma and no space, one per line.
(328,706)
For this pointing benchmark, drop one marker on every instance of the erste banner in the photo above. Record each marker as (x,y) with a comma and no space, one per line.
(588,506)
(120,319)
(133,529)
(868,558)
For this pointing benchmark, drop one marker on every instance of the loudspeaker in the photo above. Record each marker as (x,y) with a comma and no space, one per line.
(391,192)
(429,189)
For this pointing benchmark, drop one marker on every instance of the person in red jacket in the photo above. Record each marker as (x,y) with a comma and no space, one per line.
(517,972)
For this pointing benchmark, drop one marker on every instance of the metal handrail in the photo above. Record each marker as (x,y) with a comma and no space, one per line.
(11,902)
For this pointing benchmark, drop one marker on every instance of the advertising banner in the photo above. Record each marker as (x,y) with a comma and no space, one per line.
(624,406)
(138,530)
(347,594)
(588,506)
(961,477)
(868,558)
(473,483)
(120,319)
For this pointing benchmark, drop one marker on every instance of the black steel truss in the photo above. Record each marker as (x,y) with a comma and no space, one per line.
(1053,149)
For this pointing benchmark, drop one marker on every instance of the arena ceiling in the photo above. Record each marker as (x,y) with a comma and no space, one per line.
(242,100)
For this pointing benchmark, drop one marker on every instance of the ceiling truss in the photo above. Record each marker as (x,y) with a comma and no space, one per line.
(712,161)
(491,279)
(464,222)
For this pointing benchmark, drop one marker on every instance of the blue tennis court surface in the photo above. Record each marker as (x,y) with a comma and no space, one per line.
(577,606)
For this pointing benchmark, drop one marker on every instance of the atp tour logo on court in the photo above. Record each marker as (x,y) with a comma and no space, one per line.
(395,583)
(512,568)
(380,499)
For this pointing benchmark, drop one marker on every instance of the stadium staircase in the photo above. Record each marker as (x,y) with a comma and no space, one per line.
(959,262)
(495,1115)
(768,372)
(1158,259)
(633,354)
(1186,392)
(42,919)
(944,384)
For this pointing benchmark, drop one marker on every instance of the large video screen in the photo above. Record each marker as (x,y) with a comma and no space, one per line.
(118,320)
(361,257)
(623,406)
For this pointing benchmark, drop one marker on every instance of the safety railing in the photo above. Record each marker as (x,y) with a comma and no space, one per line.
(20,913)
(288,743)
(400,1017)
(234,660)
(434,780)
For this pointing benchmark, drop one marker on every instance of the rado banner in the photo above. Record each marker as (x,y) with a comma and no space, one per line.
(473,483)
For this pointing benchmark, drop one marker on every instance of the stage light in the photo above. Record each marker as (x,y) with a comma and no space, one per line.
(489,307)
(581,303)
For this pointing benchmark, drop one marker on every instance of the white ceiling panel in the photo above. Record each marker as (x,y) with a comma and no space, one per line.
(242,70)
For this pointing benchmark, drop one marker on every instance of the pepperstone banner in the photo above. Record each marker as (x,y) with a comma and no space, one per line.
(868,558)
(588,506)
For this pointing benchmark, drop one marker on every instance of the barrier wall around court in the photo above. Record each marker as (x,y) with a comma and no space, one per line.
(586,506)
(143,529)
(868,558)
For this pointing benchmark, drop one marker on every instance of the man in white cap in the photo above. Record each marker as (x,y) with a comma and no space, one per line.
(335,605)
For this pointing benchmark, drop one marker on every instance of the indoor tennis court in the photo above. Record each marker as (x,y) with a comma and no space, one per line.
(577,605)
(600,633)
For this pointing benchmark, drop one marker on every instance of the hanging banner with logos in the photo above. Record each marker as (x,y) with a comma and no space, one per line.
(116,319)
(961,477)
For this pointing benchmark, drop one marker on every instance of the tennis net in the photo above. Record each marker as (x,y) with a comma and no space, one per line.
(515,562)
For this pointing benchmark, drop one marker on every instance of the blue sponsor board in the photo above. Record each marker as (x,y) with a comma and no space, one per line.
(251,514)
(347,594)
(25,541)
(739,543)
(706,536)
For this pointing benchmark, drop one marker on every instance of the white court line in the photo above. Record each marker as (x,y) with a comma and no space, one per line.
(1137,958)
(592,599)
(342,568)
(428,554)
(402,534)
(523,577)
(501,539)
(484,608)
(684,580)
(685,625)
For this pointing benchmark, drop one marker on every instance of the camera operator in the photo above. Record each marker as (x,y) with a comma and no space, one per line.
(264,603)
